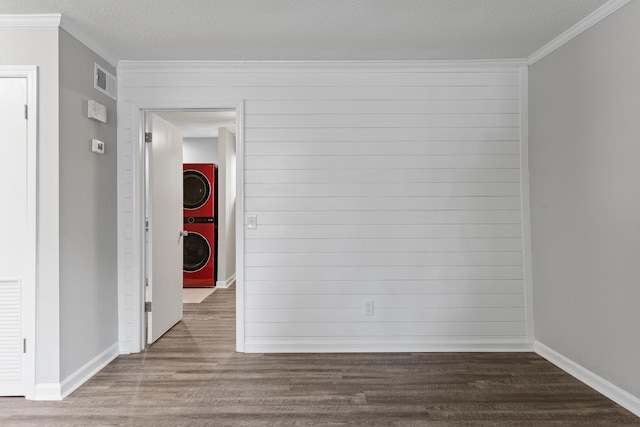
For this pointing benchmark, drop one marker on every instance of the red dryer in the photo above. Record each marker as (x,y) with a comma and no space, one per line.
(200,211)
(199,185)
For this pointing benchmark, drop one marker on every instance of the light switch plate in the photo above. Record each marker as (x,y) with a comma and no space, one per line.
(252,222)
(97,146)
(96,111)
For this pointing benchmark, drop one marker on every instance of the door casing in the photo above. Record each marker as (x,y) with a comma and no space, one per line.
(29,282)
(131,304)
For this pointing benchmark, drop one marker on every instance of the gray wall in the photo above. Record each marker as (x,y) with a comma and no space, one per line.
(88,265)
(585,198)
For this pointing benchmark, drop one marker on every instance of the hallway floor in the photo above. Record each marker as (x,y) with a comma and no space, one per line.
(193,377)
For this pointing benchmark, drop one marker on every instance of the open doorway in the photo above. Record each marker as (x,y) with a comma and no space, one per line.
(208,152)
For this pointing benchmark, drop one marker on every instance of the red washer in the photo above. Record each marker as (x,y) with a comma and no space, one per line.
(199,253)
(199,186)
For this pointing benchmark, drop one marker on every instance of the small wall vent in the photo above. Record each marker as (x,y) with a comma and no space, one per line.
(104,81)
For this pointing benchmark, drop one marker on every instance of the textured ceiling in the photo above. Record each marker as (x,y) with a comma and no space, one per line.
(314,29)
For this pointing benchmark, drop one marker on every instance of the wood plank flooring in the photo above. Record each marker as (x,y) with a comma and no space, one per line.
(193,377)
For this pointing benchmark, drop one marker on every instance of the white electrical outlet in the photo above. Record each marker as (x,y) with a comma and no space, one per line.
(367,307)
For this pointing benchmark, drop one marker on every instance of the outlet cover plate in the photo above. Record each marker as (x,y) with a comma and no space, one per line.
(367,307)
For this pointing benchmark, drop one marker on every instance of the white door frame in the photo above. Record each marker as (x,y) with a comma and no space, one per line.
(29,283)
(133,302)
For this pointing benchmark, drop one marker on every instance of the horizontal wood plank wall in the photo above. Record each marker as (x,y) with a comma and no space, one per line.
(397,186)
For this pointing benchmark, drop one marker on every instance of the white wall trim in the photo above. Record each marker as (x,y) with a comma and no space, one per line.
(124,347)
(39,20)
(54,391)
(58,20)
(599,384)
(131,208)
(311,66)
(131,319)
(48,391)
(92,367)
(583,25)
(223,284)
(239,274)
(527,251)
(30,279)
(125,226)
(297,345)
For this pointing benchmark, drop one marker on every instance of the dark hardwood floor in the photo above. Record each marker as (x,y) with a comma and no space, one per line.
(193,377)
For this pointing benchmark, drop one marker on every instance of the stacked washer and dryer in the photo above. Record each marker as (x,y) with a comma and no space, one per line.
(200,211)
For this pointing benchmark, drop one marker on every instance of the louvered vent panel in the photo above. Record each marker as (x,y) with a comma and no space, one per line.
(9,330)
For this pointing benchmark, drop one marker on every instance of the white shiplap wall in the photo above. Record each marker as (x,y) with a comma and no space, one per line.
(397,183)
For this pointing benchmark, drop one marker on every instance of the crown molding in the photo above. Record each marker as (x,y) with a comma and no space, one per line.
(586,23)
(58,20)
(86,39)
(325,65)
(44,20)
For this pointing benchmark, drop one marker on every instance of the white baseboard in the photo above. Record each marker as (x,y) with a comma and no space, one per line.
(596,382)
(82,375)
(124,347)
(55,391)
(222,284)
(336,346)
(47,391)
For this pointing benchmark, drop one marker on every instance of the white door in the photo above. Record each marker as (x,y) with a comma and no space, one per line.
(13,229)
(164,213)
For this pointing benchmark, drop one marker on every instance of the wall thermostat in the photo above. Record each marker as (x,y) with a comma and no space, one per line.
(97,146)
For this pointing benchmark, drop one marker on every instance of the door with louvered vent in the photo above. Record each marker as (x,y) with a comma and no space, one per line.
(13,229)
